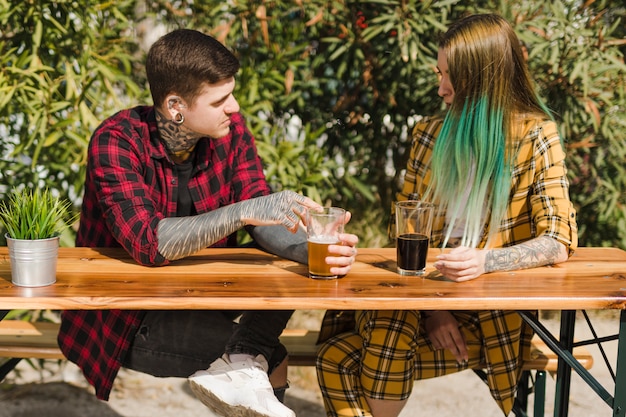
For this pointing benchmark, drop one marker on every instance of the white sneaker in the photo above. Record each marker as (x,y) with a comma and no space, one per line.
(240,389)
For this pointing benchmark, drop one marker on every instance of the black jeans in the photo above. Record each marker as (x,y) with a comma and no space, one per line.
(177,343)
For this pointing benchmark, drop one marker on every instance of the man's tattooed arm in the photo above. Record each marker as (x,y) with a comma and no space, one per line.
(183,236)
(540,251)
(279,241)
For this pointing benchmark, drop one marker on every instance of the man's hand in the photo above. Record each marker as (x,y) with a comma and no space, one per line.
(286,208)
(344,255)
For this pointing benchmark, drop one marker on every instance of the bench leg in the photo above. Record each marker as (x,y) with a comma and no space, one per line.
(8,366)
(520,406)
(524,387)
(540,393)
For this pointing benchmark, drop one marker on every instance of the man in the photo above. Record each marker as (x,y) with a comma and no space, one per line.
(163,182)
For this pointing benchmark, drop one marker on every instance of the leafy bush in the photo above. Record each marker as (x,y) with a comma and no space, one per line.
(64,67)
(580,61)
(359,74)
(331,89)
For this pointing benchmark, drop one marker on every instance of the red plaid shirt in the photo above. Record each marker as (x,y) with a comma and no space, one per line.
(130,186)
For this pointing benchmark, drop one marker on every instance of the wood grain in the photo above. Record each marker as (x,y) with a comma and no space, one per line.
(99,278)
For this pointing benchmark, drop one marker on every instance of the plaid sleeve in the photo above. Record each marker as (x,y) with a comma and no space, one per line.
(540,204)
(123,184)
(553,211)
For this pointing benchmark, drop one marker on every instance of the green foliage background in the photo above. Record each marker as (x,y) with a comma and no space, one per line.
(331,90)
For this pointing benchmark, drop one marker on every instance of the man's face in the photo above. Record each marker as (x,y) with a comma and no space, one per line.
(210,113)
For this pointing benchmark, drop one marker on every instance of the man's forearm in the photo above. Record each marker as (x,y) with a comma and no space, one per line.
(183,236)
(540,251)
(281,242)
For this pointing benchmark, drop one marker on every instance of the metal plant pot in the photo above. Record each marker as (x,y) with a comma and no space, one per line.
(33,262)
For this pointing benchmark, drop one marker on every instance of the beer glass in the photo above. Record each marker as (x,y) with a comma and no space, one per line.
(323,229)
(414,221)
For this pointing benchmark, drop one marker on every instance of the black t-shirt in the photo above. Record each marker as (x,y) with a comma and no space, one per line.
(185,204)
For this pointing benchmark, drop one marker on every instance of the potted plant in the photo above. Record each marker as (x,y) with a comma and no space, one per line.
(34,220)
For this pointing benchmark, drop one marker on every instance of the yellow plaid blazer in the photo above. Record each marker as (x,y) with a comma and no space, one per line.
(539,205)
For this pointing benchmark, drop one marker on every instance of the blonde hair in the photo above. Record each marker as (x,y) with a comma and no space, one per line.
(476,147)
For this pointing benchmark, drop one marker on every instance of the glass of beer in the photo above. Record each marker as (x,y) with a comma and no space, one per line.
(414,220)
(323,229)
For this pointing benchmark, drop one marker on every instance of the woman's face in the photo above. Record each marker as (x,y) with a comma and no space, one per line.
(445,91)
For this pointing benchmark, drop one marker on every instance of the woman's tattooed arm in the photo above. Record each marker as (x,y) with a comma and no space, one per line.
(540,251)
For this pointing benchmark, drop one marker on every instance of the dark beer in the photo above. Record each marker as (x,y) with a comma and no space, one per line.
(412,249)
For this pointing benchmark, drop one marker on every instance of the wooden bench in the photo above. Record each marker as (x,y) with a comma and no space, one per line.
(21,339)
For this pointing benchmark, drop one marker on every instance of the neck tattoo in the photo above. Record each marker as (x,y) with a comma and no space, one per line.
(179,141)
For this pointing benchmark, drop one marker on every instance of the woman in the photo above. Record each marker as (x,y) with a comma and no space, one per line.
(494,165)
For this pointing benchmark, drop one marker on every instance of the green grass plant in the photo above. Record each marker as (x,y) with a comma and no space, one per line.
(34,214)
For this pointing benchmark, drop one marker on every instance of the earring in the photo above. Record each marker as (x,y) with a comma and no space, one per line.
(179,118)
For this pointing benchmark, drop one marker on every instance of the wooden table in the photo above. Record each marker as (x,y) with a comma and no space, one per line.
(595,278)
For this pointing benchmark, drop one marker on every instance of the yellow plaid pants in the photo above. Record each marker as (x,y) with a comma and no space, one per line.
(387,351)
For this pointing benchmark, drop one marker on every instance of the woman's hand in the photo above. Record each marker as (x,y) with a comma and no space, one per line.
(443,331)
(461,264)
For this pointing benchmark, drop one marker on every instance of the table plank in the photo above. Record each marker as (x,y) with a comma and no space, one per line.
(594,278)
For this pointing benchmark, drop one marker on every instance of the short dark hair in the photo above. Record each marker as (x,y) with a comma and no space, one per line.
(184,59)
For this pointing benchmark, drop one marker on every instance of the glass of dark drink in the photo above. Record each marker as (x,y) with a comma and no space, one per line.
(323,229)
(414,220)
